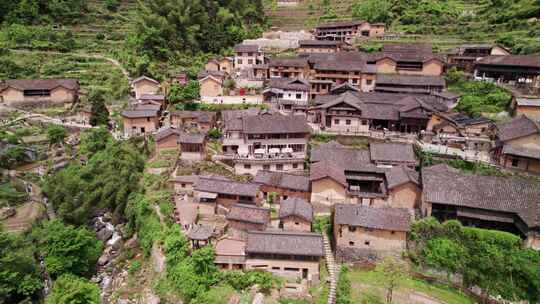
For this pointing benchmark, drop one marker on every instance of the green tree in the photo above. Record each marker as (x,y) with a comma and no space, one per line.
(184,93)
(56,134)
(392,272)
(66,249)
(99,114)
(19,272)
(343,292)
(374,11)
(70,289)
(95,140)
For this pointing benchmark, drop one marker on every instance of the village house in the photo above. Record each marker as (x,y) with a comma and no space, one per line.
(500,203)
(289,68)
(230,253)
(347,31)
(341,174)
(192,146)
(84,114)
(319,87)
(247,55)
(291,255)
(287,94)
(266,142)
(179,78)
(200,235)
(359,112)
(157,99)
(202,120)
(404,63)
(365,234)
(244,217)
(459,131)
(518,144)
(261,72)
(526,106)
(465,56)
(183,183)
(319,46)
(519,71)
(343,67)
(211,83)
(223,64)
(218,195)
(295,214)
(283,185)
(140,122)
(418,84)
(144,85)
(39,92)
(166,139)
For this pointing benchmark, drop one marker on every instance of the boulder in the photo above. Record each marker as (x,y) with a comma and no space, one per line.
(6,212)
(104,234)
(132,242)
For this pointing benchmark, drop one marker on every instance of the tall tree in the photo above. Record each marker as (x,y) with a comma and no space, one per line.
(99,115)
(392,271)
(70,289)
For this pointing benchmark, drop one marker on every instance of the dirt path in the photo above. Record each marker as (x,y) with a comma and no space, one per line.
(25,216)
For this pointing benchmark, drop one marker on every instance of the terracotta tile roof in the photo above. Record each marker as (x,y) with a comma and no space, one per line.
(328,169)
(249,214)
(246,48)
(518,127)
(289,84)
(283,242)
(399,175)
(139,113)
(410,80)
(272,124)
(191,138)
(282,180)
(522,151)
(392,152)
(294,206)
(39,84)
(396,219)
(216,185)
(448,186)
(511,60)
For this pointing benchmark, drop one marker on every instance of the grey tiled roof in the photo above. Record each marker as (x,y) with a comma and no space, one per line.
(201,116)
(282,180)
(392,152)
(216,185)
(328,169)
(152,97)
(139,113)
(522,151)
(247,48)
(396,219)
(289,84)
(191,138)
(399,175)
(249,214)
(144,78)
(39,84)
(288,62)
(512,60)
(268,124)
(395,79)
(294,206)
(200,232)
(340,24)
(288,243)
(164,133)
(445,185)
(318,43)
(518,127)
(341,156)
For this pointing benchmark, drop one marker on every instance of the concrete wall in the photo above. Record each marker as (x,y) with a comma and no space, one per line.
(253,167)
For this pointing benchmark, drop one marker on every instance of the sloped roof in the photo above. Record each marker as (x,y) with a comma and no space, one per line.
(445,185)
(528,102)
(319,43)
(139,113)
(164,133)
(518,127)
(294,206)
(289,84)
(216,185)
(191,138)
(399,175)
(268,124)
(285,242)
(341,156)
(512,60)
(152,97)
(247,48)
(292,62)
(39,84)
(396,219)
(201,116)
(282,180)
(410,80)
(249,214)
(200,232)
(393,152)
(522,151)
(144,78)
(341,24)
(328,169)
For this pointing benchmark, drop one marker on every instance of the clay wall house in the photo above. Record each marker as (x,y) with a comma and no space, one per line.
(465,56)
(292,255)
(223,64)
(140,122)
(202,120)
(247,55)
(183,183)
(518,144)
(416,84)
(283,185)
(192,146)
(157,99)
(39,92)
(519,71)
(347,31)
(144,85)
(211,83)
(319,46)
(289,68)
(408,64)
(295,214)
(500,203)
(248,217)
(213,192)
(459,131)
(527,106)
(230,253)
(392,154)
(167,139)
(363,233)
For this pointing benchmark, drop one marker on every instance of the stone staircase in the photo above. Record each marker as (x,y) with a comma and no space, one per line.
(333,269)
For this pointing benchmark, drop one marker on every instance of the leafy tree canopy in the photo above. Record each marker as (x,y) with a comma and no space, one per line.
(70,289)
(56,134)
(99,114)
